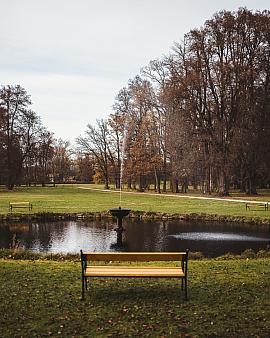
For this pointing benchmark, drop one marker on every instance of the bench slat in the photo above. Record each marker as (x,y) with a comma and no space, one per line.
(18,203)
(133,272)
(131,266)
(134,256)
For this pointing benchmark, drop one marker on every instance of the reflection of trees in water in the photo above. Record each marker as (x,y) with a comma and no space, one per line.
(43,234)
(13,232)
(99,234)
(155,236)
(6,236)
(31,235)
(40,235)
(213,248)
(145,235)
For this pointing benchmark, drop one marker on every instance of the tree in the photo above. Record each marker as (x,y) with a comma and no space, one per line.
(96,143)
(219,77)
(84,165)
(158,74)
(199,115)
(142,156)
(43,157)
(17,132)
(61,160)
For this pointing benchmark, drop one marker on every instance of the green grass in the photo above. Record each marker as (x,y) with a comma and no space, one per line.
(42,298)
(226,299)
(70,199)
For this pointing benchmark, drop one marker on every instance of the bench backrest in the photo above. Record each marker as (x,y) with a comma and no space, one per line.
(133,256)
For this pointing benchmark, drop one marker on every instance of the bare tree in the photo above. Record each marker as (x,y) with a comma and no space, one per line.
(95,142)
(61,160)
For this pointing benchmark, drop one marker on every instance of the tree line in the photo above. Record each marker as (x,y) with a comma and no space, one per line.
(198,116)
(29,153)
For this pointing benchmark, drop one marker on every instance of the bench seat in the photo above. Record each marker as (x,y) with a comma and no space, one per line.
(127,271)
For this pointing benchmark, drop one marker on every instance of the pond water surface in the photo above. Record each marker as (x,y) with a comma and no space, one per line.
(212,239)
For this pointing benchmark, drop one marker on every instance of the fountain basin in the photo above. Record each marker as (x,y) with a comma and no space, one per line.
(119,212)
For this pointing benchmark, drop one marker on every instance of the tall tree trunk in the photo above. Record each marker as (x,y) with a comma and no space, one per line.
(157,181)
(164,189)
(129,183)
(106,178)
(242,179)
(106,183)
(174,184)
(223,188)
(208,184)
(140,182)
(251,180)
(185,185)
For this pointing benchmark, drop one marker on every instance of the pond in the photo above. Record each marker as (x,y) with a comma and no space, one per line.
(212,239)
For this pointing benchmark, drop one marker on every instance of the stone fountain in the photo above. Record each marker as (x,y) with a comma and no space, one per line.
(119,213)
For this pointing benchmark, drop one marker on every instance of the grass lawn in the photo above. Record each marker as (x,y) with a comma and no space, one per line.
(227,299)
(71,199)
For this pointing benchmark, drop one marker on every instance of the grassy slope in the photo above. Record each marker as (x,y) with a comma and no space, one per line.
(71,199)
(227,299)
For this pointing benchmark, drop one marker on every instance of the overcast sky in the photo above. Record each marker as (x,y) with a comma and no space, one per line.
(73,56)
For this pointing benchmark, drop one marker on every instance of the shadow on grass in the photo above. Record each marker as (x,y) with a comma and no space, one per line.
(122,291)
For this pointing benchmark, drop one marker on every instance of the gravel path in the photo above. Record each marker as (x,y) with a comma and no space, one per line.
(178,196)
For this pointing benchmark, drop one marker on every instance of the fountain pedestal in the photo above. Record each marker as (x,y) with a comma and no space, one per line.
(119,213)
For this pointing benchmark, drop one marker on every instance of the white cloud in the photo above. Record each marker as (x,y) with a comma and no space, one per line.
(67,103)
(74,56)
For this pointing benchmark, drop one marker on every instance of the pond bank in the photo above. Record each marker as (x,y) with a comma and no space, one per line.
(18,253)
(47,216)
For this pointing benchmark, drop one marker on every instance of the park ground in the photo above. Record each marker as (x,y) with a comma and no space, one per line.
(227,298)
(81,199)
(40,295)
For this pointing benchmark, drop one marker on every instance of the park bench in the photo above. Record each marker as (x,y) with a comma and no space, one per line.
(14,205)
(107,269)
(261,205)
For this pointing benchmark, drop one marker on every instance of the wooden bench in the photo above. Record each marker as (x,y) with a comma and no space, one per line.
(106,269)
(263,205)
(14,205)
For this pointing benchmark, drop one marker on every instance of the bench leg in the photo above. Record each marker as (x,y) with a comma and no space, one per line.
(186,295)
(184,287)
(83,286)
